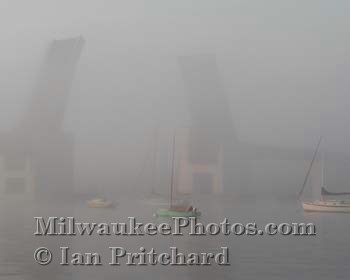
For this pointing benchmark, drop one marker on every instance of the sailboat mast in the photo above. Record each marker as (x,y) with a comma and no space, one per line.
(172,173)
(310,167)
(323,169)
(154,160)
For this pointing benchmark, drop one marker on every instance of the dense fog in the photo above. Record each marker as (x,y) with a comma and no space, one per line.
(282,65)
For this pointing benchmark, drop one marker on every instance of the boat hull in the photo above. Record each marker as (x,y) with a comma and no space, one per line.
(174,213)
(317,207)
(92,204)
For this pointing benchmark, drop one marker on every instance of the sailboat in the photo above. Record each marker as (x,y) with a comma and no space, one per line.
(176,209)
(338,206)
(100,202)
(322,205)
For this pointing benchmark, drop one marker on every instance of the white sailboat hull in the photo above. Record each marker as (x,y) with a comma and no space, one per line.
(319,206)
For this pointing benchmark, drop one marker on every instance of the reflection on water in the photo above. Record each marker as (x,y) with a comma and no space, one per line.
(325,256)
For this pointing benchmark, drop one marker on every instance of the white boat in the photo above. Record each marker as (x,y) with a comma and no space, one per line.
(100,203)
(321,204)
(338,206)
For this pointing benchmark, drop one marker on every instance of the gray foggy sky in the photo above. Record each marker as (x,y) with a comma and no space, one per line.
(283,64)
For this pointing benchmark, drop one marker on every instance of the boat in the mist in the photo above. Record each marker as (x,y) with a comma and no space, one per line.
(179,208)
(186,213)
(322,204)
(338,206)
(100,202)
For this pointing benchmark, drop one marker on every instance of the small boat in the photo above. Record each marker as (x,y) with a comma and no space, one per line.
(178,212)
(182,209)
(100,203)
(321,204)
(338,206)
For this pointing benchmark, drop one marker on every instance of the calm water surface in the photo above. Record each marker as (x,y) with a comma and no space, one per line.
(324,256)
